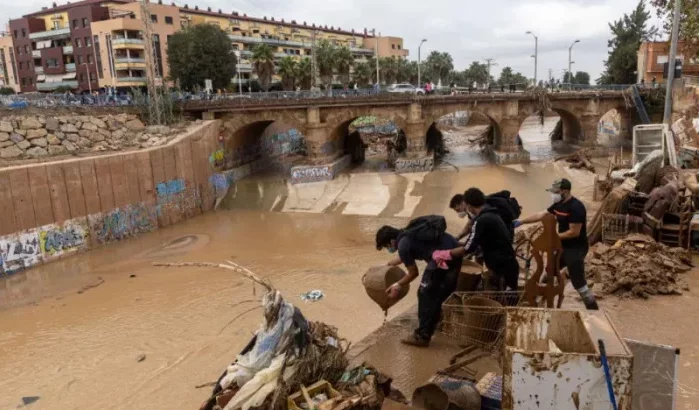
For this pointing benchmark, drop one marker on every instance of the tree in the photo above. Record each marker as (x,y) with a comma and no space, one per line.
(263,64)
(406,71)
(6,91)
(363,74)
(438,65)
(689,23)
(304,72)
(325,60)
(288,72)
(581,77)
(343,63)
(627,34)
(509,77)
(198,53)
(476,72)
(389,66)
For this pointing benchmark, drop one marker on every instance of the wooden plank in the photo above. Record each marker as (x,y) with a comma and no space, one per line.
(104,184)
(119,181)
(88,178)
(8,221)
(131,170)
(74,187)
(59,193)
(22,197)
(145,177)
(41,195)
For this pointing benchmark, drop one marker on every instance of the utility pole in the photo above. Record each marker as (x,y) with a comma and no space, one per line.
(313,59)
(376,57)
(490,62)
(667,117)
(536,56)
(155,103)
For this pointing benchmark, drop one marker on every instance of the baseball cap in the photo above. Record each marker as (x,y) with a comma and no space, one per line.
(559,185)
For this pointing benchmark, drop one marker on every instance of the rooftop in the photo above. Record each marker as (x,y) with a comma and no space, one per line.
(63,7)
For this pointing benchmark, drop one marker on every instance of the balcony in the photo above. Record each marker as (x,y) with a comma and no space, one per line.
(36,53)
(127,42)
(122,80)
(357,50)
(54,85)
(50,34)
(127,60)
(38,69)
(244,67)
(70,67)
(67,50)
(260,40)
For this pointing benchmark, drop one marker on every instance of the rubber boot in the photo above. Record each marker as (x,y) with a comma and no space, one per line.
(588,298)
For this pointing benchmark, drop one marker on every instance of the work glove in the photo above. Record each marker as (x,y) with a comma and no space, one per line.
(441,258)
(516,223)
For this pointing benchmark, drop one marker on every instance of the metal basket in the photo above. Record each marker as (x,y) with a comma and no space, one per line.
(478,318)
(615,226)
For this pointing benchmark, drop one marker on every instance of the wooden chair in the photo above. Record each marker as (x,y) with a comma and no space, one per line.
(674,230)
(546,250)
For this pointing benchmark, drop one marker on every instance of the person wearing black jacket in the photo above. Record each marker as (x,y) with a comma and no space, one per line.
(499,200)
(490,233)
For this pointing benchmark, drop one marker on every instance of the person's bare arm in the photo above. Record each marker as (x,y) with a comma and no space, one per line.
(395,261)
(572,232)
(467,230)
(537,217)
(394,289)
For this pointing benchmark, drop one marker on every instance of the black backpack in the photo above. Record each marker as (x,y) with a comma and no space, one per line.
(507,206)
(426,228)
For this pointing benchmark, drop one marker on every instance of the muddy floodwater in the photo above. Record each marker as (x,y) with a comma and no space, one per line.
(73,331)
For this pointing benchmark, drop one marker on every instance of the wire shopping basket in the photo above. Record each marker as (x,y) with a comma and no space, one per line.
(478,318)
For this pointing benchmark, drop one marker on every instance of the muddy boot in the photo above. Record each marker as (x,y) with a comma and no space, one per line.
(588,298)
(415,340)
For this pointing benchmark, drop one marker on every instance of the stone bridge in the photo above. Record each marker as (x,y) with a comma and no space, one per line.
(324,122)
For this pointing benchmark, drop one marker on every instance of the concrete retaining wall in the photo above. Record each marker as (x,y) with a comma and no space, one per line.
(50,210)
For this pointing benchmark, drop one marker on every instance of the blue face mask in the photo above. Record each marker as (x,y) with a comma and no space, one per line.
(391,249)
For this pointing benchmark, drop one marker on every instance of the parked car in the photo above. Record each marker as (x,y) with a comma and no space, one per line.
(405,89)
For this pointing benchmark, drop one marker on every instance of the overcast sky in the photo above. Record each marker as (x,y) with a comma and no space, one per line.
(469,30)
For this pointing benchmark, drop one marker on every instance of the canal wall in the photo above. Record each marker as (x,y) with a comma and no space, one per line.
(51,210)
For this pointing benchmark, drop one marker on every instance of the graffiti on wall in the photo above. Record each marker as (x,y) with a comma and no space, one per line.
(121,223)
(20,251)
(273,146)
(414,164)
(56,240)
(310,173)
(286,143)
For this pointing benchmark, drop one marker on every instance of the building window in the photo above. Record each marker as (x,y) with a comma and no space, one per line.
(88,43)
(51,63)
(15,33)
(168,20)
(24,81)
(393,46)
(24,33)
(86,22)
(82,77)
(26,49)
(662,59)
(19,50)
(21,65)
(154,18)
(398,46)
(78,43)
(75,23)
(89,58)
(158,54)
(92,77)
(80,59)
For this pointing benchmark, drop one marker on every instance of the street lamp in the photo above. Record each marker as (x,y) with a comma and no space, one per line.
(89,80)
(536,55)
(570,62)
(419,61)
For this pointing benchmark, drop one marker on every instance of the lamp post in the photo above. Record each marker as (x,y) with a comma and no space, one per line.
(536,55)
(89,80)
(570,63)
(376,57)
(419,61)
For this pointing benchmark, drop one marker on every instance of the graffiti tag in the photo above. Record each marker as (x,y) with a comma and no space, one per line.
(20,251)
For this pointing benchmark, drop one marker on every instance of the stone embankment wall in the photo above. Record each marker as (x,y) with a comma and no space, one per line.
(50,210)
(41,136)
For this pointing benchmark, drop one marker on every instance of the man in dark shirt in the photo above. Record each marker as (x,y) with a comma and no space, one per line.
(490,233)
(436,285)
(572,229)
(498,200)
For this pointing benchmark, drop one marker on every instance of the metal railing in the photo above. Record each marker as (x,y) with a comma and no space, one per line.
(54,85)
(127,41)
(123,60)
(67,49)
(36,53)
(70,67)
(131,79)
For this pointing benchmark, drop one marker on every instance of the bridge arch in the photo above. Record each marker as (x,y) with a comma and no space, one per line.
(350,137)
(615,127)
(572,129)
(436,125)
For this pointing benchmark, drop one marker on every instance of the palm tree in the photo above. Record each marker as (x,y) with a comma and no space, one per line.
(288,72)
(407,71)
(263,64)
(389,69)
(343,63)
(326,62)
(439,65)
(304,70)
(364,74)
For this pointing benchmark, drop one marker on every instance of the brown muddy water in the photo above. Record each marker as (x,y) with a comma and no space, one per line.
(73,330)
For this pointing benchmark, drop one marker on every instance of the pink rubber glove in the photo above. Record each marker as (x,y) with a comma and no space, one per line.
(441,258)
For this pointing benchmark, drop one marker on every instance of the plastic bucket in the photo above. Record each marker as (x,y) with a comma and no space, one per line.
(379,278)
(444,392)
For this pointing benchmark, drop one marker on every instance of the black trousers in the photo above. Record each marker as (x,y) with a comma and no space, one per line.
(507,270)
(574,260)
(436,286)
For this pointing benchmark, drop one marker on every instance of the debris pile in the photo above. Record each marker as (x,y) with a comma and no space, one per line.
(578,160)
(638,267)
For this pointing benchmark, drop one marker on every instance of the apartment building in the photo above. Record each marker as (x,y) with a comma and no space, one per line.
(8,69)
(97,44)
(652,55)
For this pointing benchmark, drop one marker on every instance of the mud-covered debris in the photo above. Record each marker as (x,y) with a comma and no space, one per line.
(638,267)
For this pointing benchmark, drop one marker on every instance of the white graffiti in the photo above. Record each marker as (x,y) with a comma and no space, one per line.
(311,174)
(20,251)
(418,164)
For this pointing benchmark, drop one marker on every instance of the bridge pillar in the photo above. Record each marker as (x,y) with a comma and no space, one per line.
(589,127)
(507,148)
(416,158)
(208,115)
(319,147)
